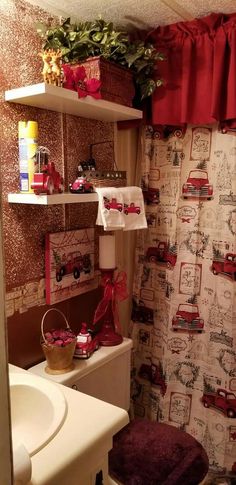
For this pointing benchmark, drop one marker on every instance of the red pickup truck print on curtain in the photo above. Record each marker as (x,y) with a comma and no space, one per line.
(162,253)
(151,196)
(197,186)
(187,318)
(222,400)
(225,265)
(141,313)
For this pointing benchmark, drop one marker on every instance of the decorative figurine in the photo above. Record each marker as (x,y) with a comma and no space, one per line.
(52,71)
(56,67)
(47,70)
(47,180)
(81,186)
(85,345)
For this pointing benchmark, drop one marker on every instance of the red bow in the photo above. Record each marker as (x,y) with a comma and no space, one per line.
(68,79)
(114,292)
(76,79)
(185,220)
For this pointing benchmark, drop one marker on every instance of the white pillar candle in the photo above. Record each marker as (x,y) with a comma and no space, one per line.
(107,252)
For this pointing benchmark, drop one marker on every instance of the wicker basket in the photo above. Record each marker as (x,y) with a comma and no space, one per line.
(59,359)
(105,178)
(117,83)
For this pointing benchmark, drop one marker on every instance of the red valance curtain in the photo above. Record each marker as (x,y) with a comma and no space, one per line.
(199,72)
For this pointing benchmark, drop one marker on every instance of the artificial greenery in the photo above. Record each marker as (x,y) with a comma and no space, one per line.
(79,41)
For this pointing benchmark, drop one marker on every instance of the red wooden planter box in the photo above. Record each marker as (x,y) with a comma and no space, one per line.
(117,83)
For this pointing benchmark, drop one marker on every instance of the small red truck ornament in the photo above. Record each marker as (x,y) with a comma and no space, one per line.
(81,186)
(187,318)
(197,185)
(226,265)
(162,253)
(85,344)
(223,400)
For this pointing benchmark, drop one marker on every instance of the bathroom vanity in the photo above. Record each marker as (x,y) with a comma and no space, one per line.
(78,453)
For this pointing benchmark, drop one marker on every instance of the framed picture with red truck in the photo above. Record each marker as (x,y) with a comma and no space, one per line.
(69,264)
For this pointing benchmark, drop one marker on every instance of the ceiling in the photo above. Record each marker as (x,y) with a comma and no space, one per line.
(141,14)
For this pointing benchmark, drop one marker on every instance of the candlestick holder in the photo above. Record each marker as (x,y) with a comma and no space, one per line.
(107,312)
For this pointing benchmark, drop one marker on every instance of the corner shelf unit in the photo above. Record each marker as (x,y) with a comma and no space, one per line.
(65,198)
(63,100)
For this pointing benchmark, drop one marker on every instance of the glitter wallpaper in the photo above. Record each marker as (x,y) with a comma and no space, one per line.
(67,137)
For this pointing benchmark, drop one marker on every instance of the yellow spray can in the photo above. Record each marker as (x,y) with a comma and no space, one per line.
(28,144)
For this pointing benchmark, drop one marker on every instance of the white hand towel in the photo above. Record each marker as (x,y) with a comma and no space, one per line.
(110,208)
(134,209)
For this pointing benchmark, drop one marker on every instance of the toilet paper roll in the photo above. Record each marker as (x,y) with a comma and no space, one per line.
(22,467)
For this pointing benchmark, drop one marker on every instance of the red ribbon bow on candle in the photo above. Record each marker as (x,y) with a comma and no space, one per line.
(114,292)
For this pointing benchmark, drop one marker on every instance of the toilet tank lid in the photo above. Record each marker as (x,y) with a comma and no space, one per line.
(84,367)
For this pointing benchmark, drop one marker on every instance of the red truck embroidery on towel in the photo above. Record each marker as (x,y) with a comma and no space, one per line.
(112,204)
(131,209)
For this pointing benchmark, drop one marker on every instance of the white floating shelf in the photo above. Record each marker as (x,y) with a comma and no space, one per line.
(54,98)
(65,198)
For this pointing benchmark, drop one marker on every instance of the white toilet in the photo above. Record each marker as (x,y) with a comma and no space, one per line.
(105,375)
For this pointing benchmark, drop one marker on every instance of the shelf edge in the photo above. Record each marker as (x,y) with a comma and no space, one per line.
(65,198)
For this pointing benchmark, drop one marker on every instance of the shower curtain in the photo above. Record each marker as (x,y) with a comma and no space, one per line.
(183,322)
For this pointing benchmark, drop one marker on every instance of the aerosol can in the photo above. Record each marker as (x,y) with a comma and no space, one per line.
(28,144)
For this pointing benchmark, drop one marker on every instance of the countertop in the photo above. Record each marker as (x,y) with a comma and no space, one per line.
(82,442)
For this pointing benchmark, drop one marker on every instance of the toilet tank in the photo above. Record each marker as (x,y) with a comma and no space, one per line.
(105,375)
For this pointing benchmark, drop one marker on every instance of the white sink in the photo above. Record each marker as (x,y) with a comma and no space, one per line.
(38,410)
